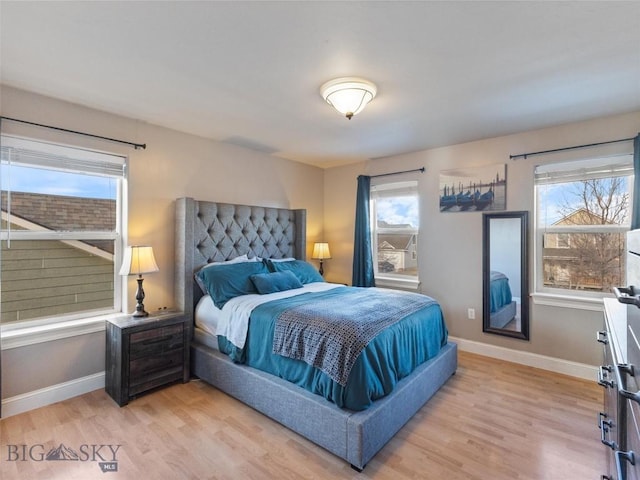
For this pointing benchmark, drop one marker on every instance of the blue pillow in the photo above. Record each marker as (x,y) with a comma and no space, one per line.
(305,272)
(275,282)
(225,282)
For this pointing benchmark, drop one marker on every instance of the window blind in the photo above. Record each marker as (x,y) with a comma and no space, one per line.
(397,189)
(564,172)
(32,153)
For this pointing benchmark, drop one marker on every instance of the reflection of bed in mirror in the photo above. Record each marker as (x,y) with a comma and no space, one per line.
(505,286)
(503,308)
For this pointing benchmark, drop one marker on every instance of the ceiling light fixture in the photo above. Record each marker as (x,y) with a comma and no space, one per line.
(348,95)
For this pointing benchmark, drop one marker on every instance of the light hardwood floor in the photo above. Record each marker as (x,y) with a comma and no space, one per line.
(492,420)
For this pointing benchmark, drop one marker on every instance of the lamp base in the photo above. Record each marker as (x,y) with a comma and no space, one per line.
(140,312)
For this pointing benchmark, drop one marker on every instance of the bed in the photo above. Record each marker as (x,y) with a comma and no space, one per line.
(503,308)
(209,232)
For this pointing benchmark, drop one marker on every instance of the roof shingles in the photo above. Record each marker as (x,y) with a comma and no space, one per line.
(65,213)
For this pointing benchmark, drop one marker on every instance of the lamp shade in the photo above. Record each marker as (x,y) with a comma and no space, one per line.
(321,251)
(138,260)
(348,95)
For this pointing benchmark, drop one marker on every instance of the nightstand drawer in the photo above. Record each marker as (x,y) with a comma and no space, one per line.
(156,342)
(149,372)
(148,366)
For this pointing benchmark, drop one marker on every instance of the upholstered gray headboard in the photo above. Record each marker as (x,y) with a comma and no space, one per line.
(215,232)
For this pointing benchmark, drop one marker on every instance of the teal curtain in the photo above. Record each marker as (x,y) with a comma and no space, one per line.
(362,255)
(635,209)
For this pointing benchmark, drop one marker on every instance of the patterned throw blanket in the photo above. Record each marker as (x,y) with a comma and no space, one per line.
(330,333)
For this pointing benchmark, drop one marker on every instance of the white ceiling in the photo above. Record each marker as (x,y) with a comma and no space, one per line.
(249,73)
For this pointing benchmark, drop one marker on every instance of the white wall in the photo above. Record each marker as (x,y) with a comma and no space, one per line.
(450,255)
(173,165)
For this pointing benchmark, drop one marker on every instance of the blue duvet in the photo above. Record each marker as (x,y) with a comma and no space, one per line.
(392,355)
(499,291)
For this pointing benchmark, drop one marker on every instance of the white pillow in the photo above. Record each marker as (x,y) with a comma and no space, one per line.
(240,259)
(290,259)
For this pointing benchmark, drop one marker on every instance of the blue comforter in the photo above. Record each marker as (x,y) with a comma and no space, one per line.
(499,291)
(392,355)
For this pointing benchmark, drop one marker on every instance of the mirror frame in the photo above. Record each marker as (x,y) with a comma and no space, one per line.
(523,216)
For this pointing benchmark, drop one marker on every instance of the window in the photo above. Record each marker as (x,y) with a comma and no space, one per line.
(395,231)
(60,232)
(582,215)
(563,240)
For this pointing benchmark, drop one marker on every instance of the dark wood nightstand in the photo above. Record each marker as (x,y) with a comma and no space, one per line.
(145,353)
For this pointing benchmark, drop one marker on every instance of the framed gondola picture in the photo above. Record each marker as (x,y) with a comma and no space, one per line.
(473,189)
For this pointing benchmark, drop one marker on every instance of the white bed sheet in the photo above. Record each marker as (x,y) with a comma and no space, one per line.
(232,321)
(207,315)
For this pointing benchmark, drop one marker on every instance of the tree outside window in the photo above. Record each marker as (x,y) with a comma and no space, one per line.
(582,224)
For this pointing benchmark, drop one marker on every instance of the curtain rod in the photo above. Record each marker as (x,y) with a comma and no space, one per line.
(134,145)
(525,155)
(421,169)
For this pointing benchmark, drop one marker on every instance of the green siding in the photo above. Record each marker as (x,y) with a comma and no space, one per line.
(46,277)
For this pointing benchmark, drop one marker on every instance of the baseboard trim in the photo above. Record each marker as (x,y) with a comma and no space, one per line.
(54,393)
(63,391)
(566,367)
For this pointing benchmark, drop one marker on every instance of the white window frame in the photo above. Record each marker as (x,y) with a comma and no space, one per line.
(618,165)
(389,279)
(43,329)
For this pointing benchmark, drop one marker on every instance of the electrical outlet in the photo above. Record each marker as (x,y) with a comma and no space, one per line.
(471,313)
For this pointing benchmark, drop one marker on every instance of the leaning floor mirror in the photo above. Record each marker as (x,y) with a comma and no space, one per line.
(505,285)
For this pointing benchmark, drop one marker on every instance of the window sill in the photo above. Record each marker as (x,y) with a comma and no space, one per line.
(15,336)
(401,283)
(567,301)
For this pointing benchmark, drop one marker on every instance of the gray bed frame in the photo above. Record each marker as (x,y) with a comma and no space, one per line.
(501,317)
(210,231)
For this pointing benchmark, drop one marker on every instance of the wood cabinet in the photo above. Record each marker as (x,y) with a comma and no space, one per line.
(619,373)
(145,353)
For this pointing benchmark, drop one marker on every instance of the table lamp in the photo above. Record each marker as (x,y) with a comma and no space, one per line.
(321,252)
(138,260)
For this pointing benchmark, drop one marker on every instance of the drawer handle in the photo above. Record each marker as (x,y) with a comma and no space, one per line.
(164,363)
(604,426)
(623,369)
(629,457)
(154,341)
(601,337)
(602,375)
